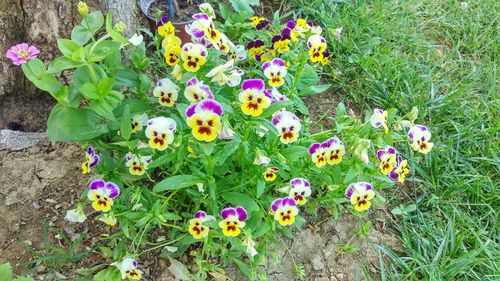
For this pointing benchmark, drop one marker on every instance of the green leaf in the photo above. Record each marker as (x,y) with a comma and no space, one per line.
(80,35)
(228,150)
(102,50)
(93,21)
(243,6)
(62,63)
(308,78)
(113,33)
(294,153)
(36,73)
(314,90)
(275,107)
(177,182)
(23,279)
(162,160)
(224,10)
(105,85)
(90,91)
(244,200)
(105,106)
(67,47)
(109,274)
(74,124)
(261,187)
(6,271)
(125,126)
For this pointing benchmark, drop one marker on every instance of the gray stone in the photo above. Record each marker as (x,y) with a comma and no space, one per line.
(15,140)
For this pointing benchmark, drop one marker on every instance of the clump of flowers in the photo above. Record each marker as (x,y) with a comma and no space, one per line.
(173,133)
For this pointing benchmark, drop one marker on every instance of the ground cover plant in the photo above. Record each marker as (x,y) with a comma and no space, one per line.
(388,57)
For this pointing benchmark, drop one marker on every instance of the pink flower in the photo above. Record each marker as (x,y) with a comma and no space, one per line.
(21,53)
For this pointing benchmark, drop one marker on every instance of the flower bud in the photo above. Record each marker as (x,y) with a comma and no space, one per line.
(261,159)
(413,114)
(82,8)
(361,150)
(226,133)
(207,9)
(76,215)
(120,27)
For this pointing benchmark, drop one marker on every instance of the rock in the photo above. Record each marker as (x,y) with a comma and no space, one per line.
(15,140)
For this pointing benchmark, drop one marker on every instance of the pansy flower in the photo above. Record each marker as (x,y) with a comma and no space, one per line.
(237,53)
(314,27)
(320,152)
(166,91)
(275,70)
(108,219)
(223,44)
(255,48)
(160,132)
(197,28)
(281,43)
(288,126)
(379,118)
(337,150)
(253,99)
(300,189)
(165,27)
(226,133)
(173,50)
(196,91)
(420,136)
(193,56)
(400,170)
(233,219)
(204,119)
(284,210)
(259,22)
(196,227)
(360,194)
(316,45)
(22,53)
(387,159)
(270,173)
(138,164)
(128,269)
(138,121)
(91,160)
(261,159)
(101,194)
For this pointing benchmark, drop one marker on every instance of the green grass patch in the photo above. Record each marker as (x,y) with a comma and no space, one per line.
(440,56)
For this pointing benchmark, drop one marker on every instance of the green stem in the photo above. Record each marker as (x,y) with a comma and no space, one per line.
(93,76)
(300,69)
(161,245)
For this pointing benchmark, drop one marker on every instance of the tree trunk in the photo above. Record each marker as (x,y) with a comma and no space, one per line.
(40,23)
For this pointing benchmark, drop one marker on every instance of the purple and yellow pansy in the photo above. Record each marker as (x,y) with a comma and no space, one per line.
(259,22)
(288,126)
(317,46)
(337,150)
(196,227)
(400,170)
(256,48)
(281,43)
(204,119)
(108,219)
(275,70)
(102,193)
(129,269)
(270,173)
(284,210)
(237,53)
(160,132)
(253,98)
(379,119)
(360,194)
(320,152)
(91,160)
(300,189)
(387,159)
(196,91)
(137,164)
(233,220)
(193,56)
(166,91)
(165,27)
(419,136)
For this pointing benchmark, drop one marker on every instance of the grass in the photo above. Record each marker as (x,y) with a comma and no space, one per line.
(440,56)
